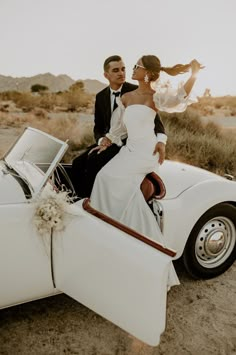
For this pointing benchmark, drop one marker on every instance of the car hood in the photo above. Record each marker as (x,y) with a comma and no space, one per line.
(179,177)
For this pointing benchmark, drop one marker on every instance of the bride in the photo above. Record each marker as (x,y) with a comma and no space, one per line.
(116,191)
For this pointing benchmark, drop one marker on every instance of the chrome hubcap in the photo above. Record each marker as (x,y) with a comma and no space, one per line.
(215,242)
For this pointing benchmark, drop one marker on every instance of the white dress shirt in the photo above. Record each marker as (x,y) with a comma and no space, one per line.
(113,96)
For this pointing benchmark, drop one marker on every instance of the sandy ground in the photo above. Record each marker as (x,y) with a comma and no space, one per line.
(201,319)
(7,137)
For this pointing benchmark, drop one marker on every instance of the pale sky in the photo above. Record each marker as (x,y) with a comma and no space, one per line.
(74,37)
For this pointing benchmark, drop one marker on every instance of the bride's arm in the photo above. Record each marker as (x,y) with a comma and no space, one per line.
(195,67)
(168,99)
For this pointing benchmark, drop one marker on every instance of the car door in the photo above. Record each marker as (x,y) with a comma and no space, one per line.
(25,267)
(25,264)
(120,277)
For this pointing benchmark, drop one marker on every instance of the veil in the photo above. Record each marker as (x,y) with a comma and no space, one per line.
(171,99)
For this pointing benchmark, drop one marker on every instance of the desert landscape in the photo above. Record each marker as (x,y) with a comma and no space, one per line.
(201,314)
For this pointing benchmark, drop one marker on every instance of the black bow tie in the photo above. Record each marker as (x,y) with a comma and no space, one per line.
(116,95)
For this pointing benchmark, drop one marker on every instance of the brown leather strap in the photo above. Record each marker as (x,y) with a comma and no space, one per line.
(87,207)
(161,185)
(152,184)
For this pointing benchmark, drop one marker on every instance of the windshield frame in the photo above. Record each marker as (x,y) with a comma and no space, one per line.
(28,144)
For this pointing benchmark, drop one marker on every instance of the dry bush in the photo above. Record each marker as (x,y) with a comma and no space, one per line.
(40,113)
(203,145)
(207,105)
(10,96)
(233,112)
(225,101)
(26,101)
(189,140)
(74,100)
(16,120)
(47,101)
(79,134)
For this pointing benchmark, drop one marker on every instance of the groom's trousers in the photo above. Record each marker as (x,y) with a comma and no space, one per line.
(86,166)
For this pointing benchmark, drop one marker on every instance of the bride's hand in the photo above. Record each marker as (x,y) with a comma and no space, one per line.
(99,148)
(161,149)
(105,142)
(196,66)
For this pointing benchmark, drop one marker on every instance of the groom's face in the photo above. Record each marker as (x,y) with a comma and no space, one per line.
(115,73)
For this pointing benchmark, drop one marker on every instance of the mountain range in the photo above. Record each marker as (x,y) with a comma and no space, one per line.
(54,83)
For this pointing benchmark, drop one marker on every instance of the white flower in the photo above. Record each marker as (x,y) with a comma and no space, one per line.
(50,210)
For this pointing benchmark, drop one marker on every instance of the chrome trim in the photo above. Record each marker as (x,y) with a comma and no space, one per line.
(158,212)
(215,242)
(229,177)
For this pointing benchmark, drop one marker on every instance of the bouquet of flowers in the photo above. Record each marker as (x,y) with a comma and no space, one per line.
(50,210)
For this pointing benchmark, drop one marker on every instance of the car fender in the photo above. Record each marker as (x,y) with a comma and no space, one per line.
(182,213)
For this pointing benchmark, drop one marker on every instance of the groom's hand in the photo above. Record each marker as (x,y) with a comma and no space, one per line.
(161,149)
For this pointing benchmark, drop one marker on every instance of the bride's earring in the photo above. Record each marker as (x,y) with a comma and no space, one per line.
(146,79)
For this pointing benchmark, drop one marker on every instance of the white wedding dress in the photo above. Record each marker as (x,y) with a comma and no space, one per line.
(116,190)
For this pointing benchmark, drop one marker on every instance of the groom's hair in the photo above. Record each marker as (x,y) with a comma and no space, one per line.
(113,58)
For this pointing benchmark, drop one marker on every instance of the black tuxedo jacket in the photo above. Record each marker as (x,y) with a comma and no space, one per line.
(102,114)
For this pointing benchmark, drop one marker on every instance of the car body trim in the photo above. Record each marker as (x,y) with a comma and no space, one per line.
(87,207)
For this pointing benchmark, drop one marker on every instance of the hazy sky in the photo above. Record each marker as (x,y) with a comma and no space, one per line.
(74,37)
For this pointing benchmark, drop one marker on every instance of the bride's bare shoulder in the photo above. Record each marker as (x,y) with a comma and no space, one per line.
(128,94)
(127,97)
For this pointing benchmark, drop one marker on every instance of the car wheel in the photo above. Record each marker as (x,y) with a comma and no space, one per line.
(211,246)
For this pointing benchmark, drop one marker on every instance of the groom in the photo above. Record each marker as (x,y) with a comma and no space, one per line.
(85,167)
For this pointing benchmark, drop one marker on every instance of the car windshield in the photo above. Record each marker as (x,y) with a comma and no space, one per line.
(34,156)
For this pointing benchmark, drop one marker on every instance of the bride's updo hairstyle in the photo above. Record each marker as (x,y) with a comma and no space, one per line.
(153,66)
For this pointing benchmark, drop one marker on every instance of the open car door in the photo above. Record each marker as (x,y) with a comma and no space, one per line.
(114,271)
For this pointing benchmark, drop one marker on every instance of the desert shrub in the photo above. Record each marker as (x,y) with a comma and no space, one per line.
(77,86)
(78,134)
(227,101)
(34,119)
(189,139)
(26,101)
(218,105)
(203,145)
(10,96)
(38,88)
(206,105)
(233,112)
(40,112)
(75,99)
(47,101)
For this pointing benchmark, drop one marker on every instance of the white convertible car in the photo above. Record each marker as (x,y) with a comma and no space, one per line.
(115,271)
